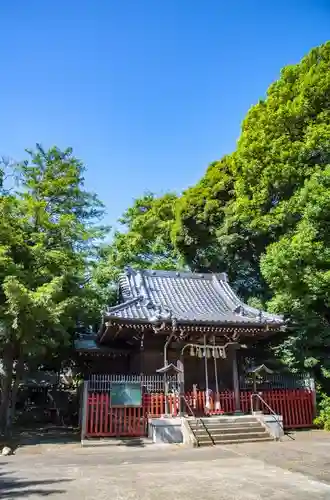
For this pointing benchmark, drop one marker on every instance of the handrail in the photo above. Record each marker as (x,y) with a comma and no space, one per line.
(198,420)
(188,405)
(193,414)
(274,415)
(208,432)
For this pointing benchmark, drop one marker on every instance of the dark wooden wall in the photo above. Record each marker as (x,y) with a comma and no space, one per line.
(149,361)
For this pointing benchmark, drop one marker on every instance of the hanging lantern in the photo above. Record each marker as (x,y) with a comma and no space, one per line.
(208,352)
(200,353)
(216,353)
(192,351)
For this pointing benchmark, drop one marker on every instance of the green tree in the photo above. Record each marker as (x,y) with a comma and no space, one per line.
(211,237)
(297,267)
(273,206)
(47,245)
(244,200)
(284,139)
(145,240)
(199,215)
(281,167)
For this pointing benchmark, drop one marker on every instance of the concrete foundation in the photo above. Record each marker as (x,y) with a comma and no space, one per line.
(166,430)
(273,423)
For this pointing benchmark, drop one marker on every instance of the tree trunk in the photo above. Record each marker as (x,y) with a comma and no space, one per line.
(8,363)
(19,370)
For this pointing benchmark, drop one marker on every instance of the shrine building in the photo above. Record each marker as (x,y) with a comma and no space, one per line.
(174,334)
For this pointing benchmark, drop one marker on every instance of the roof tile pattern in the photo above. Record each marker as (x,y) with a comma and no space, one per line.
(187,297)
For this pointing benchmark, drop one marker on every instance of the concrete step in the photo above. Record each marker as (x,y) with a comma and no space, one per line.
(229,437)
(227,430)
(204,442)
(208,442)
(235,419)
(239,436)
(228,425)
(237,441)
(231,430)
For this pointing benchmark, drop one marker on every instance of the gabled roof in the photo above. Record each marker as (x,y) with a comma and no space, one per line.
(198,298)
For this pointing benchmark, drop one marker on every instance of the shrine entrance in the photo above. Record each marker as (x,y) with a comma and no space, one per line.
(120,406)
(217,354)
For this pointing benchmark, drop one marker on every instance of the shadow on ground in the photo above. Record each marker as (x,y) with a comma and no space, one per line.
(14,487)
(36,435)
(128,442)
(133,442)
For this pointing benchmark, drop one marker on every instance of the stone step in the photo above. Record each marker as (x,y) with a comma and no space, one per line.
(241,435)
(245,440)
(204,442)
(208,442)
(229,437)
(230,430)
(224,425)
(227,429)
(234,418)
(222,421)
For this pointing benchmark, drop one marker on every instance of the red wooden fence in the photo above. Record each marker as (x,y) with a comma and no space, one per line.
(296,406)
(102,420)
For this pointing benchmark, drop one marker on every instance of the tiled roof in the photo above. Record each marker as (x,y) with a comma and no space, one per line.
(86,342)
(89,343)
(187,297)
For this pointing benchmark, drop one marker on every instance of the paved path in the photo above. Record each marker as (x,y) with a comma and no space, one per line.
(254,471)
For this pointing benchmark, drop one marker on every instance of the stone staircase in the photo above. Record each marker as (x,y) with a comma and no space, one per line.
(211,431)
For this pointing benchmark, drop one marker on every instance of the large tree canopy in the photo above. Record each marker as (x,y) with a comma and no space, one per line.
(268,200)
(210,236)
(284,138)
(282,192)
(200,214)
(47,236)
(297,267)
(145,239)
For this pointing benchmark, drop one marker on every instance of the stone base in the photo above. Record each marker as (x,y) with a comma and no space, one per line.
(273,423)
(166,430)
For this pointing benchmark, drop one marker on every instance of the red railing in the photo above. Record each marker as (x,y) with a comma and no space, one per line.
(296,406)
(102,420)
(225,400)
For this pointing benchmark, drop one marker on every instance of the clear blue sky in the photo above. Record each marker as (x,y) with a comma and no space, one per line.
(147,92)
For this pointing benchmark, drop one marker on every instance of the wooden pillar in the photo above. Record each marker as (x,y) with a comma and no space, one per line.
(236,382)
(257,402)
(207,395)
(180,378)
(217,400)
(84,412)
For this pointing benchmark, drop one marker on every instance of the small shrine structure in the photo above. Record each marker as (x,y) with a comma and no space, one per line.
(192,321)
